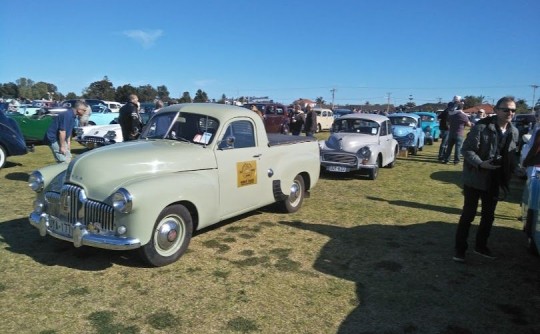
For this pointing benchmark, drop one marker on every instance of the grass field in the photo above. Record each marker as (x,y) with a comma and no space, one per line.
(360,256)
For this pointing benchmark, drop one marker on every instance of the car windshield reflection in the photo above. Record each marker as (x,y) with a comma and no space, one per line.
(356,126)
(187,127)
(404,121)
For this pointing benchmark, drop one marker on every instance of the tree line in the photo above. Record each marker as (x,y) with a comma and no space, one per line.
(27,89)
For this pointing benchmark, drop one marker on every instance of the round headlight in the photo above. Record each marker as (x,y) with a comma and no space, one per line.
(122,201)
(364,152)
(35,181)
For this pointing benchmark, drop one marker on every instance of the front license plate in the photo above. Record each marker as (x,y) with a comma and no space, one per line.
(337,169)
(61,227)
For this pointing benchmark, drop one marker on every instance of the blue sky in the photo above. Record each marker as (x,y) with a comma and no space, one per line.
(427,50)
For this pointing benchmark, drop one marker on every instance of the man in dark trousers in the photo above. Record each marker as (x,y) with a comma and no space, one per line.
(489,153)
(129,119)
(310,126)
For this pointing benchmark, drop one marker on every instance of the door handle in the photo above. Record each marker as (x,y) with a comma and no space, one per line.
(257,155)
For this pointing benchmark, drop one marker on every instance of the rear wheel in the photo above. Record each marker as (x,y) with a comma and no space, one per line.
(319,128)
(170,236)
(293,202)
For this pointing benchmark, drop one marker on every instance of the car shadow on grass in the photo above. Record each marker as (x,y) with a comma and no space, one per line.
(406,281)
(22,238)
(17,176)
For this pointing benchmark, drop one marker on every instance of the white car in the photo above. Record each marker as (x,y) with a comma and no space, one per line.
(99,135)
(325,118)
(359,142)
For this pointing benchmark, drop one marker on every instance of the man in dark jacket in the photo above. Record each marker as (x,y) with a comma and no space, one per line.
(489,152)
(310,127)
(129,119)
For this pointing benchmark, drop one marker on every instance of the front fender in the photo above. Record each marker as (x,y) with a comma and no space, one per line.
(152,195)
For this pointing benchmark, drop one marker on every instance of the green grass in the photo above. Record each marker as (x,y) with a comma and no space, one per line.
(360,256)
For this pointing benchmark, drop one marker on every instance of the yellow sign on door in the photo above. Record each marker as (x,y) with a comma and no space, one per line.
(246,172)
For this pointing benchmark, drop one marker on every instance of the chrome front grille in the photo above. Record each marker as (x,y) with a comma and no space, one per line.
(71,206)
(347,159)
(404,141)
(92,139)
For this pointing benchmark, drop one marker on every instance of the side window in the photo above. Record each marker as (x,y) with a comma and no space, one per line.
(239,134)
(384,128)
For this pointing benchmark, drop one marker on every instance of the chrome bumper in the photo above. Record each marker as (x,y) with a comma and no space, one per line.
(81,236)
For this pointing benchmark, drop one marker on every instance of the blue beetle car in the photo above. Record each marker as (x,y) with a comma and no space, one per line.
(11,139)
(407,130)
(430,126)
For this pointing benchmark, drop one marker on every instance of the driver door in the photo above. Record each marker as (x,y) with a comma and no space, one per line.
(240,169)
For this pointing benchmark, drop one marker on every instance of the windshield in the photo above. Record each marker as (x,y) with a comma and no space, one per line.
(403,120)
(356,126)
(427,118)
(193,128)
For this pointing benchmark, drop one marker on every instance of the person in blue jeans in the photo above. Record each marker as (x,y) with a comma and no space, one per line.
(58,135)
(457,121)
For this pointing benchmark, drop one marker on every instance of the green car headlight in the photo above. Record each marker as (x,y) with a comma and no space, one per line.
(122,201)
(36,181)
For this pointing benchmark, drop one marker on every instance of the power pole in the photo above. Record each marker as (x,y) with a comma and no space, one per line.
(534,96)
(388,103)
(333,90)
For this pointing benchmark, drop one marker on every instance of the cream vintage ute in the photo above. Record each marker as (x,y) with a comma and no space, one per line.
(194,165)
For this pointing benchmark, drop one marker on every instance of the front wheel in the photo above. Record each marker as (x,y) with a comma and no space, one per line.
(170,236)
(414,150)
(3,156)
(293,202)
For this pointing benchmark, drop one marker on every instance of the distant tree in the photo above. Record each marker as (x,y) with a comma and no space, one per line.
(24,86)
(146,93)
(410,105)
(522,107)
(472,101)
(200,97)
(186,98)
(40,90)
(71,96)
(223,99)
(123,92)
(102,89)
(10,90)
(163,93)
(320,101)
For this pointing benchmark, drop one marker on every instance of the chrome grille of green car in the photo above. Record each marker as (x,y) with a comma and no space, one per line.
(348,159)
(72,206)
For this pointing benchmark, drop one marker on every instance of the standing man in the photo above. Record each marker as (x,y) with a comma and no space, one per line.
(129,119)
(490,154)
(58,135)
(296,120)
(443,126)
(310,127)
(457,120)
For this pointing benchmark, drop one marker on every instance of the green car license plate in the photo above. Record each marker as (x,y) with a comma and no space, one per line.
(60,227)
